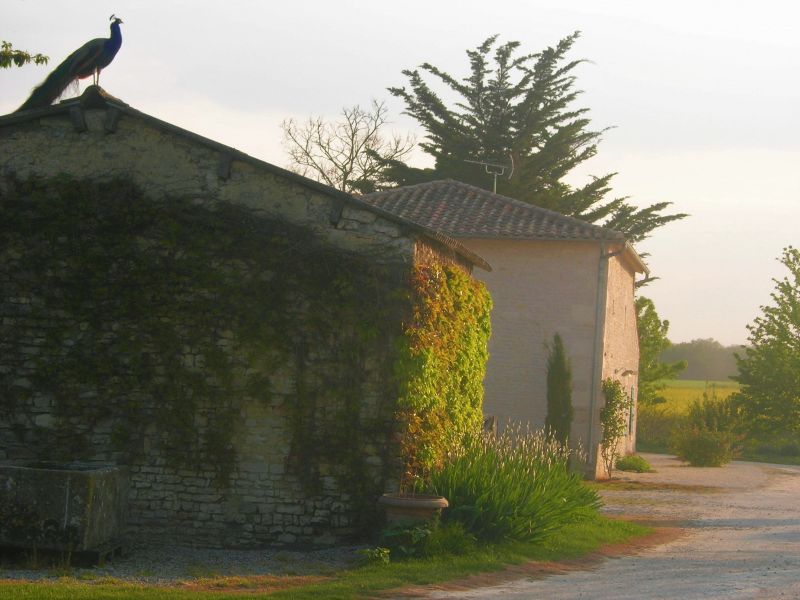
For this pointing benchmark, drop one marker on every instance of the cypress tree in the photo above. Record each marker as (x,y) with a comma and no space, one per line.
(559,391)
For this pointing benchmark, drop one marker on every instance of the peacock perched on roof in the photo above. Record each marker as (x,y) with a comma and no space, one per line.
(89,59)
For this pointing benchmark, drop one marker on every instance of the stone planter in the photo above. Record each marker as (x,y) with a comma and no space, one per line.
(412,508)
(69,507)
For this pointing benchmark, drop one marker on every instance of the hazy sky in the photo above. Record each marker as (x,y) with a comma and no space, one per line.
(702,96)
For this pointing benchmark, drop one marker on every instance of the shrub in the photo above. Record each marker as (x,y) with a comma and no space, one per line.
(710,437)
(613,418)
(704,448)
(515,486)
(633,463)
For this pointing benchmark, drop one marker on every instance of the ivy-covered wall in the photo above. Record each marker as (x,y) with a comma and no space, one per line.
(261,386)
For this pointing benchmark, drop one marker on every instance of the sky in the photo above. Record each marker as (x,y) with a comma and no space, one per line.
(700,100)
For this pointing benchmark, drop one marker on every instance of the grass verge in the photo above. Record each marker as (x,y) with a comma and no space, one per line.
(573,541)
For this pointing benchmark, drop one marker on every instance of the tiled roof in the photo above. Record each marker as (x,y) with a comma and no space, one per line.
(465,211)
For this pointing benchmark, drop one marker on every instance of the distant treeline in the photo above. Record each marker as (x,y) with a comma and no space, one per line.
(707,359)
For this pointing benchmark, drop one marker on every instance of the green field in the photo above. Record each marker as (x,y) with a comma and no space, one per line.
(656,423)
(681,393)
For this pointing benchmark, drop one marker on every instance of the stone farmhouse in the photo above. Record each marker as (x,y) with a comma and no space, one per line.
(222,329)
(551,275)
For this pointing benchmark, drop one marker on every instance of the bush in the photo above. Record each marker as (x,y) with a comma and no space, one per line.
(710,437)
(515,486)
(704,448)
(633,463)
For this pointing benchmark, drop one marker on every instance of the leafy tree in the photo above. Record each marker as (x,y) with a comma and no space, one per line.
(652,342)
(769,371)
(518,112)
(559,391)
(349,154)
(9,57)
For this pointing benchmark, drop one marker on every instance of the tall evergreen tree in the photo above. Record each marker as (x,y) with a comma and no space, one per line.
(559,391)
(517,111)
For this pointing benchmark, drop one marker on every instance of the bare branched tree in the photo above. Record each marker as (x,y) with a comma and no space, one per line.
(347,154)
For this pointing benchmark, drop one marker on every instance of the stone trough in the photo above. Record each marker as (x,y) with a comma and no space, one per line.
(65,507)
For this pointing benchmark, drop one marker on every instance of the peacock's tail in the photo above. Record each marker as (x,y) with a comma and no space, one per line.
(51,88)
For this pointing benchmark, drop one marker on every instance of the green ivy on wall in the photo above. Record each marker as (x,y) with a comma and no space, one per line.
(158,319)
(441,365)
(167,314)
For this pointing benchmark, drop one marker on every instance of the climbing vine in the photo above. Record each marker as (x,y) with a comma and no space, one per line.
(441,365)
(156,319)
(144,326)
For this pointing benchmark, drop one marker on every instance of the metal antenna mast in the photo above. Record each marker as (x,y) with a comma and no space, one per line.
(494,169)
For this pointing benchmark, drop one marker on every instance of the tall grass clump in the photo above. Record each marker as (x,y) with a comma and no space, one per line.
(515,486)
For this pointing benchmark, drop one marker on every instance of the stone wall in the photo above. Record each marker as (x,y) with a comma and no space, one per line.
(285,439)
(621,342)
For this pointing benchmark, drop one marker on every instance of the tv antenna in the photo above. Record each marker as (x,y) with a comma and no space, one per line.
(495,169)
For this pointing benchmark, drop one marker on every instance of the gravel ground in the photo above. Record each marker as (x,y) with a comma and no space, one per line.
(742,539)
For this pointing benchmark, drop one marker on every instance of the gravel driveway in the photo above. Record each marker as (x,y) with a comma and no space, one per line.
(742,539)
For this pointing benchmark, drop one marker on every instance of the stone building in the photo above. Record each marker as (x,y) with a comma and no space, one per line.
(551,274)
(222,327)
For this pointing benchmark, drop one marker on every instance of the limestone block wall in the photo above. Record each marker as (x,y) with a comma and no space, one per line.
(163,161)
(539,289)
(621,338)
(280,483)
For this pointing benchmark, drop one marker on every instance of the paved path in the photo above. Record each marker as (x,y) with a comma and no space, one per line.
(742,540)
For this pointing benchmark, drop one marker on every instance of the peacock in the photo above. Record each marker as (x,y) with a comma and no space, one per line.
(87,60)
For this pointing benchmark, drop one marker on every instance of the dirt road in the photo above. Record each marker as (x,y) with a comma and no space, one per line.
(741,539)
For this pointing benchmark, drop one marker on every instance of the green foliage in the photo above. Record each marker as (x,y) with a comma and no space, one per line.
(407,541)
(450,539)
(709,435)
(517,110)
(559,391)
(613,420)
(9,57)
(706,359)
(375,556)
(652,343)
(703,448)
(175,313)
(441,365)
(769,371)
(633,463)
(516,486)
